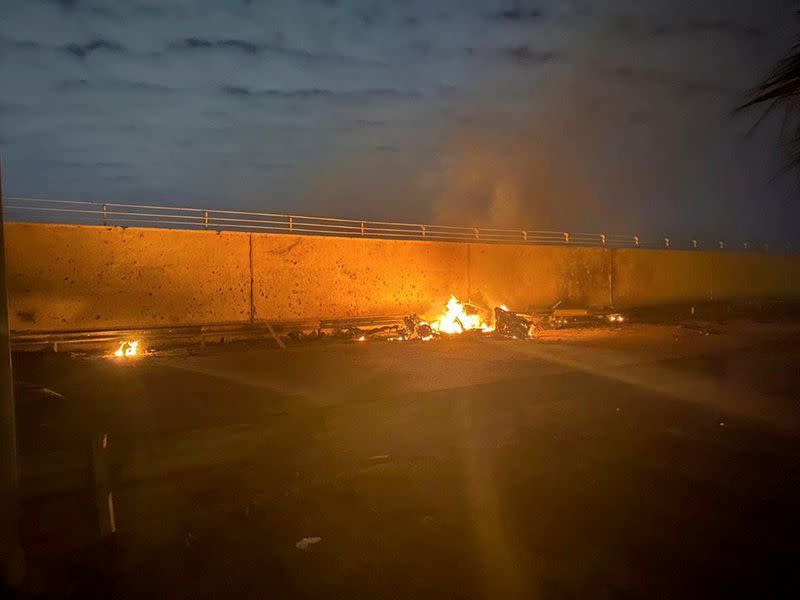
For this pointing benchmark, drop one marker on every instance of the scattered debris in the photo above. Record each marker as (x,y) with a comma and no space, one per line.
(514,325)
(51,393)
(304,543)
(465,318)
(274,335)
(702,328)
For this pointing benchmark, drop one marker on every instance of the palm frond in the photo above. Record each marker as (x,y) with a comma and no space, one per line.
(783,84)
(781,88)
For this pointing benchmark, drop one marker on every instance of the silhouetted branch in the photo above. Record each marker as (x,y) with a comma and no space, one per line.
(782,88)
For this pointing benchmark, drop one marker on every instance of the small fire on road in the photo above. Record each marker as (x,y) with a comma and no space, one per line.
(127,349)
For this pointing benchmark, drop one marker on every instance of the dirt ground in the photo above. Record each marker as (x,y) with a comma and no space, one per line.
(638,461)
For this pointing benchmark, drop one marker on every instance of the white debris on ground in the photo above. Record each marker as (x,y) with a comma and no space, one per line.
(304,543)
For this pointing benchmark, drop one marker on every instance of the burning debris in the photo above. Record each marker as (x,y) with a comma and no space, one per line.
(464,318)
(127,349)
(459,318)
(514,325)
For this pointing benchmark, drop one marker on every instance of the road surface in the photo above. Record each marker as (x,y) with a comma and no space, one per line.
(639,461)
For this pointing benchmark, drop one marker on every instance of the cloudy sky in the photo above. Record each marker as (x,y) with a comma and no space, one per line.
(588,115)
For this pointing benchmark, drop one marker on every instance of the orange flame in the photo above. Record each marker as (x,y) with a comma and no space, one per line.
(127,349)
(456,319)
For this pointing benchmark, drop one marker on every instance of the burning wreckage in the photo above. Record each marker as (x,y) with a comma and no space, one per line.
(464,318)
(458,318)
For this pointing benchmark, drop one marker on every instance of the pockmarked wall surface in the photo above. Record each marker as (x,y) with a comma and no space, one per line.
(534,277)
(299,277)
(71,277)
(74,277)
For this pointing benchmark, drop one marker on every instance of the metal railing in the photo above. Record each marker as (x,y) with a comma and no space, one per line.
(22,209)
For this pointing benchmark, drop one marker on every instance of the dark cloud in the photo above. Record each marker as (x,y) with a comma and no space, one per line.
(119,177)
(252,48)
(194,43)
(370,122)
(8,107)
(724,27)
(81,51)
(647,76)
(26,45)
(67,164)
(527,55)
(369,16)
(698,27)
(65,4)
(422,47)
(240,91)
(112,85)
(148,9)
(517,14)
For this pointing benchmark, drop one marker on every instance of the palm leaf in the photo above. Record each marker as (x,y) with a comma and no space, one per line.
(782,88)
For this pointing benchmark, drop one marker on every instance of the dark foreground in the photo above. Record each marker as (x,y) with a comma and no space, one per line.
(648,461)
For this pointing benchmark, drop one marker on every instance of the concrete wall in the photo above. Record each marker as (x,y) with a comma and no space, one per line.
(647,277)
(744,275)
(298,277)
(70,277)
(643,277)
(538,276)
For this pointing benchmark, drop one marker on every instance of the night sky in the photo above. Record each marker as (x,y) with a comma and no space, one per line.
(575,115)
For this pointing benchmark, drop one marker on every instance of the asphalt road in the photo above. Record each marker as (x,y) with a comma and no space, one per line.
(637,462)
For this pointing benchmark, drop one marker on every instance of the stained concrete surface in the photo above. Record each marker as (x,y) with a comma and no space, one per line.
(301,276)
(69,277)
(75,277)
(636,462)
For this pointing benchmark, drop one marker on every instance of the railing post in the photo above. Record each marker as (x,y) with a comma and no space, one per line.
(105,214)
(291,224)
(205,219)
(476,233)
(524,235)
(362,228)
(423,230)
(104,499)
(666,242)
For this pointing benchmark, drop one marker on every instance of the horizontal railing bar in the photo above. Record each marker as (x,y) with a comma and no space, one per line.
(113,213)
